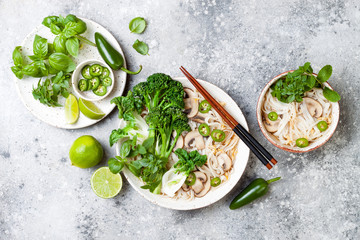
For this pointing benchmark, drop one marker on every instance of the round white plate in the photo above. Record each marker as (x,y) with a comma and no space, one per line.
(216,194)
(55,116)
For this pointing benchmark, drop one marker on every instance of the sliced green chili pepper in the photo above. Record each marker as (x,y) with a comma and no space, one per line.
(215,182)
(112,57)
(322,126)
(254,190)
(204,129)
(204,106)
(85,72)
(106,81)
(83,85)
(100,90)
(218,135)
(96,70)
(94,83)
(273,116)
(302,142)
(105,73)
(190,180)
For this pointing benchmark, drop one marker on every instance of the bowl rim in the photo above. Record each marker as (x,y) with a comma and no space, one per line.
(75,78)
(266,133)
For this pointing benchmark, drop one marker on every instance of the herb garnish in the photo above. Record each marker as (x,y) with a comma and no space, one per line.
(141,47)
(137,25)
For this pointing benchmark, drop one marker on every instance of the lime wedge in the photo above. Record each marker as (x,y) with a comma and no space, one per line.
(71,109)
(105,184)
(90,110)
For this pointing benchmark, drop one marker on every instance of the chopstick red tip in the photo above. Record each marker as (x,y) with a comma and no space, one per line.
(268,166)
(273,161)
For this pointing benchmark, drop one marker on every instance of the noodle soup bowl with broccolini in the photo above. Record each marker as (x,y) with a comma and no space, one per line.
(298,111)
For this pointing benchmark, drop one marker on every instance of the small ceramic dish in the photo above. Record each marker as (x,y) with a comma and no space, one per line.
(89,95)
(313,145)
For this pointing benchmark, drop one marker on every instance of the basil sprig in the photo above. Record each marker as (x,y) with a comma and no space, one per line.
(293,86)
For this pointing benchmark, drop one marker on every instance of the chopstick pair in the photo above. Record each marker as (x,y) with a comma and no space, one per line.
(261,153)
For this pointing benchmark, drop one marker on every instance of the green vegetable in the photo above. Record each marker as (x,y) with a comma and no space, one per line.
(72,46)
(215,182)
(85,72)
(101,90)
(204,129)
(204,106)
(273,116)
(105,73)
(254,190)
(302,142)
(188,161)
(106,81)
(116,165)
(293,86)
(218,135)
(83,85)
(190,180)
(112,57)
(141,47)
(94,83)
(137,25)
(322,126)
(96,70)
(61,62)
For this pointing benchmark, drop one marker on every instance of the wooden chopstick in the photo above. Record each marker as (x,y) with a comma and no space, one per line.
(263,155)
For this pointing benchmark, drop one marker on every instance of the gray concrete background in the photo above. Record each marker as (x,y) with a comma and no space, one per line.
(237,45)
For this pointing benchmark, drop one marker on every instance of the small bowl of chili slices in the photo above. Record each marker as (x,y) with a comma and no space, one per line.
(93,80)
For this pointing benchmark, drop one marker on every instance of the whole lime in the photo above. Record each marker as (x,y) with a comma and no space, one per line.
(86,152)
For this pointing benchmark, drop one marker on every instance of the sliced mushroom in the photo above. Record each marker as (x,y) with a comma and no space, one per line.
(185,187)
(194,136)
(179,142)
(206,188)
(191,103)
(224,161)
(199,182)
(271,126)
(313,106)
(200,117)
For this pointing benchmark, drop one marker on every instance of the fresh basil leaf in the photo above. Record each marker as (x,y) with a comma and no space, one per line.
(148,143)
(65,93)
(115,165)
(31,70)
(17,71)
(137,25)
(35,58)
(60,44)
(141,47)
(48,20)
(55,29)
(73,28)
(125,149)
(72,46)
(61,62)
(40,47)
(70,18)
(50,49)
(17,57)
(141,149)
(331,95)
(42,67)
(310,81)
(116,135)
(325,73)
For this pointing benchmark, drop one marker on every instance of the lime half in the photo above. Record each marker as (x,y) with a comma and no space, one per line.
(71,109)
(105,184)
(90,110)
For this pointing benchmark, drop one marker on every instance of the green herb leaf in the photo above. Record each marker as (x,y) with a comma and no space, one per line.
(72,46)
(137,25)
(188,161)
(125,148)
(325,73)
(60,44)
(31,70)
(331,95)
(55,29)
(40,46)
(49,20)
(17,71)
(141,47)
(115,165)
(61,62)
(17,57)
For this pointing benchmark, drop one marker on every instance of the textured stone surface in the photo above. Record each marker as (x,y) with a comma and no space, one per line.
(237,45)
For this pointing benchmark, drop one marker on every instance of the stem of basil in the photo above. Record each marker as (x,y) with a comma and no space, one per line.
(85,40)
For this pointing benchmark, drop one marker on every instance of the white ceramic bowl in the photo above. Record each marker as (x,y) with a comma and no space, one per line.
(76,77)
(313,145)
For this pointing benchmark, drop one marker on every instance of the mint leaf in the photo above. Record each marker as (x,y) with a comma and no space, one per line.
(115,165)
(331,95)
(325,73)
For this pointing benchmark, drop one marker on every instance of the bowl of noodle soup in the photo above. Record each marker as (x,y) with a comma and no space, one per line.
(297,119)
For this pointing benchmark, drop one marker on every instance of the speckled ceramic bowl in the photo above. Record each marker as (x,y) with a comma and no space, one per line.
(313,145)
(89,95)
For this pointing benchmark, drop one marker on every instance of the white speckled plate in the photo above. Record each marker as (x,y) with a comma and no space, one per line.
(216,194)
(55,115)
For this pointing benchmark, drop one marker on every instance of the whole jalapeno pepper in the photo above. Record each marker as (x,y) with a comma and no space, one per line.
(254,190)
(112,57)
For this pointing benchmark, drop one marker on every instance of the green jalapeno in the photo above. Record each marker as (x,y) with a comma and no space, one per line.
(83,85)
(302,142)
(254,190)
(218,135)
(94,83)
(215,182)
(96,70)
(204,106)
(105,73)
(112,57)
(204,129)
(106,81)
(85,72)
(322,126)
(190,180)
(101,90)
(273,116)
